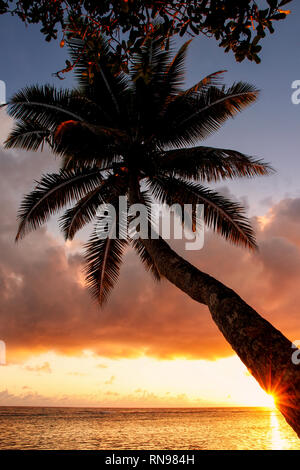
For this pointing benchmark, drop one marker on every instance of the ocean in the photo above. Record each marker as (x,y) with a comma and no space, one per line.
(142,429)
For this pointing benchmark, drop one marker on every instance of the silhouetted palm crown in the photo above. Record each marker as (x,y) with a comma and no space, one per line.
(117,132)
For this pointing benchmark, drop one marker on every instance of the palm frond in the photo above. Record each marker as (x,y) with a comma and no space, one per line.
(104,159)
(144,197)
(86,209)
(192,118)
(151,63)
(52,193)
(146,259)
(211,164)
(233,100)
(28,135)
(45,105)
(47,109)
(213,79)
(220,214)
(150,84)
(81,214)
(174,75)
(97,79)
(103,257)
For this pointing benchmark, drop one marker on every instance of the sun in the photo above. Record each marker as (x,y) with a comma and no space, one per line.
(270,401)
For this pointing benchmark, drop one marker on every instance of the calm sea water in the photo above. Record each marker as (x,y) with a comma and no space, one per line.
(104,428)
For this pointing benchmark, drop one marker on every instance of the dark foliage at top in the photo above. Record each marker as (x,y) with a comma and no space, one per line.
(236,25)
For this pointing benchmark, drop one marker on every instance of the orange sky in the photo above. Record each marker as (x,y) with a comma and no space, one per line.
(89,380)
(151,345)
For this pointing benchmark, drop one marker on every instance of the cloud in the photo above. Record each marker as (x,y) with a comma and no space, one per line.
(104,399)
(6,124)
(30,399)
(44,306)
(40,368)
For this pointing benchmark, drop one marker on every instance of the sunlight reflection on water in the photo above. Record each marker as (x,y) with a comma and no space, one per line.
(103,428)
(279,442)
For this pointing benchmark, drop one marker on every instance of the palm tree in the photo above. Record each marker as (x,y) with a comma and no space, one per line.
(131,134)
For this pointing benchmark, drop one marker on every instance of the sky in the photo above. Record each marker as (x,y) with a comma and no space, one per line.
(151,345)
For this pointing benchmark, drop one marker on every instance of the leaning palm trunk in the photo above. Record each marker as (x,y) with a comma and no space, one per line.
(265,351)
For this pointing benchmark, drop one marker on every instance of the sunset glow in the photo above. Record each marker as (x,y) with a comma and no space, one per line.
(90,380)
